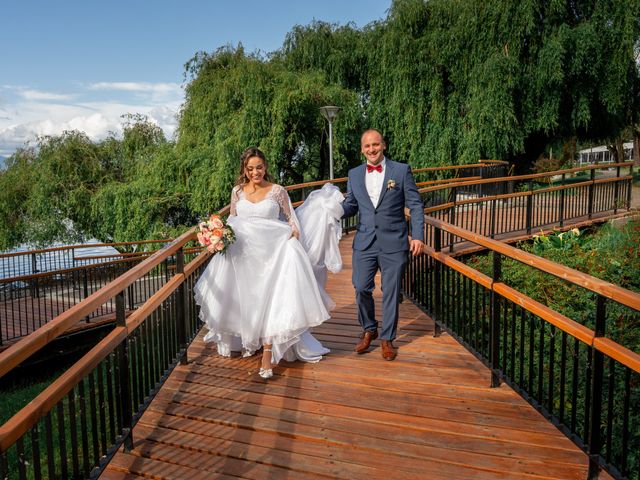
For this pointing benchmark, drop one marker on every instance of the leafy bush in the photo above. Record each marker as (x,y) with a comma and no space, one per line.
(609,253)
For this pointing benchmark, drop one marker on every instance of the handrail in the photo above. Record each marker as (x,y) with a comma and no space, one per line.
(584,382)
(25,347)
(80,247)
(482,163)
(601,287)
(530,176)
(446,180)
(26,418)
(528,193)
(608,290)
(316,183)
(24,278)
(572,327)
(126,257)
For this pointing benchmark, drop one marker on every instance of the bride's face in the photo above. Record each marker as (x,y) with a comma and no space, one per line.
(255,170)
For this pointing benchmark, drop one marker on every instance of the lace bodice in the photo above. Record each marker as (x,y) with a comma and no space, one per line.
(274,206)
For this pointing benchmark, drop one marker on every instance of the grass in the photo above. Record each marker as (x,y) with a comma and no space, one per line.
(15,396)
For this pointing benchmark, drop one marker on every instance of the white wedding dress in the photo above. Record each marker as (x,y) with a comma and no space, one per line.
(264,289)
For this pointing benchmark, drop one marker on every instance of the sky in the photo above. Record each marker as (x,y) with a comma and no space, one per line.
(82,64)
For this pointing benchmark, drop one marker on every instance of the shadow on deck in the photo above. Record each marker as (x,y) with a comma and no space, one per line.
(429,414)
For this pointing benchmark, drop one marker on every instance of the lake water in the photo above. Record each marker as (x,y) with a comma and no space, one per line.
(49,261)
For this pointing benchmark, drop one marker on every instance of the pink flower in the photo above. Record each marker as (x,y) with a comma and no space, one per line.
(216,223)
(214,234)
(203,239)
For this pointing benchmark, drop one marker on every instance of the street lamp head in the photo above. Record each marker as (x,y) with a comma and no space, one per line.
(329,112)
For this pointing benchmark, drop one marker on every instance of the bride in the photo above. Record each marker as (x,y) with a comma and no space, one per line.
(267,290)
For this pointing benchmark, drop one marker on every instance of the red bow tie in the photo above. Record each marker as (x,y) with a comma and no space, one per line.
(371,168)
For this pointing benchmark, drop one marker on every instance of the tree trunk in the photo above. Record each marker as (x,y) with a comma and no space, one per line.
(619,150)
(636,147)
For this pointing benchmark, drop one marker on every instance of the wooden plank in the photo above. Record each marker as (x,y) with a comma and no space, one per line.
(428,414)
(348,458)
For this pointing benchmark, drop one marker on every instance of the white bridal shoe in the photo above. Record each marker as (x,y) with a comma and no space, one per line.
(266,372)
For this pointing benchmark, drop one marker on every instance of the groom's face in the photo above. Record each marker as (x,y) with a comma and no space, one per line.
(372,147)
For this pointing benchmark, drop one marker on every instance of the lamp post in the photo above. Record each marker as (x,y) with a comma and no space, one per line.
(330,112)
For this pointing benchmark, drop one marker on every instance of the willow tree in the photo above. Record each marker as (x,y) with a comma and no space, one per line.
(16,184)
(234,100)
(452,82)
(465,80)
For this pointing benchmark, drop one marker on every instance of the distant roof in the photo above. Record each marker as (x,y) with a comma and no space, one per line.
(603,148)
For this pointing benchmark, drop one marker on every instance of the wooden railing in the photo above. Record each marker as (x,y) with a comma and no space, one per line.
(28,302)
(584,382)
(74,426)
(36,261)
(524,204)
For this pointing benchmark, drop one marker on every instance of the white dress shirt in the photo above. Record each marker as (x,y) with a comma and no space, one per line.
(373,181)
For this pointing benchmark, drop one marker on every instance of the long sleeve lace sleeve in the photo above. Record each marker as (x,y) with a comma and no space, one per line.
(235,196)
(282,197)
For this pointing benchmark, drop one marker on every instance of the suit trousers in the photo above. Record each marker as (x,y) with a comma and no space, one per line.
(366,264)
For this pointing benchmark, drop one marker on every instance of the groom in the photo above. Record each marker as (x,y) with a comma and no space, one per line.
(380,190)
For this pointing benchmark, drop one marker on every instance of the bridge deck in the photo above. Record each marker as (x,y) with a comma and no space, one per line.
(429,414)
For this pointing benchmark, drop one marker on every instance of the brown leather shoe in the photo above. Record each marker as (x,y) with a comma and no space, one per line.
(388,352)
(367,336)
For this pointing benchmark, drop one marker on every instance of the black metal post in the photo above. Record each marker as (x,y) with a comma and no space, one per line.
(630,187)
(529,207)
(494,206)
(85,288)
(452,217)
(123,377)
(562,195)
(34,270)
(495,322)
(180,304)
(616,194)
(4,467)
(591,191)
(595,441)
(131,297)
(437,245)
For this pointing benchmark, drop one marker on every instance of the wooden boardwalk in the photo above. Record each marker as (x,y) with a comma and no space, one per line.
(23,316)
(427,415)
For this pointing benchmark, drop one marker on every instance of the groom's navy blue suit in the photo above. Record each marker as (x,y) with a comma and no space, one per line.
(381,240)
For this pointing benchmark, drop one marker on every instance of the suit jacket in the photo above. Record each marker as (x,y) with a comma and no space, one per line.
(386,222)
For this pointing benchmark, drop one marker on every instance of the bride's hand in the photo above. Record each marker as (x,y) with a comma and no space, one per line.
(295,233)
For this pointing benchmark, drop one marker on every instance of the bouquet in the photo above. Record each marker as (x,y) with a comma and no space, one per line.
(215,234)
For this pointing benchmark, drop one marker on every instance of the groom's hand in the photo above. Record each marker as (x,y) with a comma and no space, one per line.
(416,247)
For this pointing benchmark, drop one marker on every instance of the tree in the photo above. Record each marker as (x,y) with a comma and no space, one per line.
(235,100)
(446,83)
(15,188)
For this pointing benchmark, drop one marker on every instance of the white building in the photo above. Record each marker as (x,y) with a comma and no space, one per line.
(602,154)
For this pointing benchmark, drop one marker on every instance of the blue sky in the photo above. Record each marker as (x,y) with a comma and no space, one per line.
(81,64)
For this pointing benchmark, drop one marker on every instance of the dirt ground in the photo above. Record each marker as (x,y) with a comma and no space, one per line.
(635,197)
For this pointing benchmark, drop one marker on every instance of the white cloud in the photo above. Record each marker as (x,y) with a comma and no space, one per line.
(38,95)
(29,113)
(136,86)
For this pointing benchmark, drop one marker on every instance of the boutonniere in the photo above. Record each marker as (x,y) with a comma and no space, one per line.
(391,184)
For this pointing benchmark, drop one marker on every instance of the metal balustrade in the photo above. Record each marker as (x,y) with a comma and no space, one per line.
(582,381)
(533,206)
(566,370)
(74,426)
(28,302)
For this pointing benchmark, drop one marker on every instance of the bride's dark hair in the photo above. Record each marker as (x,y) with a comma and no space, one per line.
(248,153)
